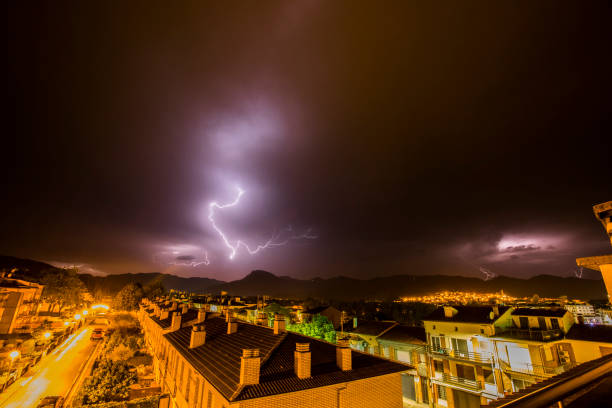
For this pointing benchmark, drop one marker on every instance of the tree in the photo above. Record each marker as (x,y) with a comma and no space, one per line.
(154,290)
(110,381)
(129,297)
(319,327)
(62,287)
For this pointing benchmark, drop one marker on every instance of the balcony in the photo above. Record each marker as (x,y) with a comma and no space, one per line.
(534,369)
(482,358)
(533,334)
(458,382)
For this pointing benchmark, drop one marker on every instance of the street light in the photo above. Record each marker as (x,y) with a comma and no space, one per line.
(66,323)
(13,355)
(77,316)
(85,312)
(47,335)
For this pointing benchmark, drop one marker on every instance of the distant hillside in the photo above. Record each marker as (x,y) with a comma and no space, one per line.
(344,288)
(26,268)
(340,288)
(111,284)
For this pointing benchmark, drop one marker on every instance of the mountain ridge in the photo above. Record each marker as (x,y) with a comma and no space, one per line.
(259,282)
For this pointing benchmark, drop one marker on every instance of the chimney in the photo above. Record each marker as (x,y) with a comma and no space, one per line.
(232,326)
(449,311)
(343,355)
(156,310)
(164,314)
(250,363)
(301,360)
(279,323)
(198,336)
(184,308)
(176,321)
(201,315)
(173,306)
(261,319)
(496,311)
(228,315)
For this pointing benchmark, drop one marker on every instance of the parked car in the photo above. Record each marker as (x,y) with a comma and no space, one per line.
(51,401)
(97,334)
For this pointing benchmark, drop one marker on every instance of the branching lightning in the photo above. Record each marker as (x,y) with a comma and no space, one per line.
(487,273)
(276,240)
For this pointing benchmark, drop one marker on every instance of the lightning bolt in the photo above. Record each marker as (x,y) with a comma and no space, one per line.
(487,273)
(234,245)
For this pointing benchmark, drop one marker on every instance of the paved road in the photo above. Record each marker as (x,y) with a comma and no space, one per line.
(55,373)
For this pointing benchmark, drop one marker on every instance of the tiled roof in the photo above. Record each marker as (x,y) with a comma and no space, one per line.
(405,334)
(534,311)
(372,327)
(218,360)
(163,323)
(191,314)
(586,332)
(466,314)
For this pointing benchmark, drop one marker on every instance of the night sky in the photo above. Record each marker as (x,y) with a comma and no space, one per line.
(369,138)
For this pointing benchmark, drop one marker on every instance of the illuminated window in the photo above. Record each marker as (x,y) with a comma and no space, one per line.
(554,323)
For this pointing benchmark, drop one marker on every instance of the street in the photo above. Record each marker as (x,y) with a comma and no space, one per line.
(54,375)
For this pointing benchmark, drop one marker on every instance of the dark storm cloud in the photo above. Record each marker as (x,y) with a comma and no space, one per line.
(408,138)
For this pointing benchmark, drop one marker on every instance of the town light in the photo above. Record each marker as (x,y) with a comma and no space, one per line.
(47,335)
(66,323)
(77,316)
(14,354)
(85,313)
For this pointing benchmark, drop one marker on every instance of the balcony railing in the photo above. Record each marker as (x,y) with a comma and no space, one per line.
(535,369)
(533,334)
(460,382)
(463,355)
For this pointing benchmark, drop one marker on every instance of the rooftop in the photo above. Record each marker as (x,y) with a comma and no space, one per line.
(372,327)
(534,311)
(405,334)
(218,360)
(587,332)
(467,314)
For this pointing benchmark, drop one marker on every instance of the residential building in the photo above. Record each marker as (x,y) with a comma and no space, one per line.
(19,302)
(408,344)
(335,316)
(209,360)
(602,263)
(580,309)
(585,342)
(364,334)
(462,368)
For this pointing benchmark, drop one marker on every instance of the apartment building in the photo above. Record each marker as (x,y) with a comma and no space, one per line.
(408,344)
(529,350)
(463,371)
(19,302)
(365,333)
(209,360)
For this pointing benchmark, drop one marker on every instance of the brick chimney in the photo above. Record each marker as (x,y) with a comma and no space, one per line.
(261,319)
(232,326)
(198,336)
(301,360)
(228,315)
(250,363)
(344,359)
(173,306)
(164,314)
(201,315)
(176,321)
(279,323)
(184,308)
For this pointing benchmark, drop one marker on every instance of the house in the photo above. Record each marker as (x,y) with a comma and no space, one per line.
(335,316)
(214,361)
(408,344)
(364,334)
(462,354)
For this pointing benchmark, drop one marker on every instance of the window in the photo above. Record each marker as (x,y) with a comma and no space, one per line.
(209,399)
(438,366)
(435,343)
(481,331)
(524,322)
(554,323)
(441,392)
(460,345)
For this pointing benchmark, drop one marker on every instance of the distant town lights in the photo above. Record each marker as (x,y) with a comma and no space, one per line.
(14,354)
(66,323)
(77,317)
(85,313)
(100,306)
(47,335)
